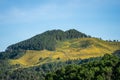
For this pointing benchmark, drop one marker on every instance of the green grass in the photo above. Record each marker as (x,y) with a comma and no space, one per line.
(70,49)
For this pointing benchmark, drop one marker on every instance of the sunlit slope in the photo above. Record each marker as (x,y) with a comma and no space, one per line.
(69,49)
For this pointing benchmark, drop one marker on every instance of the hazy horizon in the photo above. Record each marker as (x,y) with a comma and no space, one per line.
(20,20)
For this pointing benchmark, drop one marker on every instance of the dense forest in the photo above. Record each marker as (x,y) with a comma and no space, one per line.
(101,68)
(108,68)
(46,40)
(9,72)
(11,55)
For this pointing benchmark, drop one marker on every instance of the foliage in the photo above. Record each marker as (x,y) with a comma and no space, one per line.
(46,40)
(108,68)
(102,68)
(15,72)
(81,48)
(11,55)
(56,55)
(117,53)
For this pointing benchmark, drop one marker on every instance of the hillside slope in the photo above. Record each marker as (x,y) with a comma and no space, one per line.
(80,48)
(46,40)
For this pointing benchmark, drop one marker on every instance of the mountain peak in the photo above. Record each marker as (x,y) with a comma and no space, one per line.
(46,40)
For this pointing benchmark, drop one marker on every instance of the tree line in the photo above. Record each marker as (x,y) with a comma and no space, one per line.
(108,68)
(101,68)
(46,40)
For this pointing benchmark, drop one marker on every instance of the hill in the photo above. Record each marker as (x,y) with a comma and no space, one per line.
(72,49)
(46,40)
(57,45)
(52,51)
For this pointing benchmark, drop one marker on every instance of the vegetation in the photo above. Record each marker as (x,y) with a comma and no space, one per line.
(117,53)
(59,55)
(108,68)
(11,55)
(73,49)
(14,72)
(46,40)
(101,68)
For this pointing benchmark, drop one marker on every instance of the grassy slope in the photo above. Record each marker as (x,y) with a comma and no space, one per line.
(69,49)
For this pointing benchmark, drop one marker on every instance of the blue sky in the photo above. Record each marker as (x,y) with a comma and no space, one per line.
(22,19)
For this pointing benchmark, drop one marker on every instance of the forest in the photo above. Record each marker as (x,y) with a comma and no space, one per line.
(46,40)
(108,68)
(100,68)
